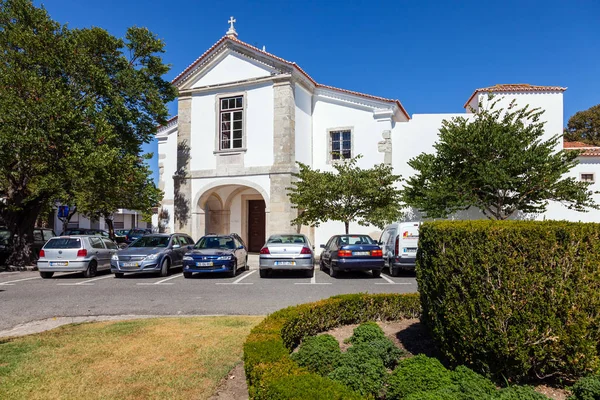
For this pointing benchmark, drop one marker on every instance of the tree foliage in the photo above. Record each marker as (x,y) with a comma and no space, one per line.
(497,162)
(75,104)
(349,193)
(584,126)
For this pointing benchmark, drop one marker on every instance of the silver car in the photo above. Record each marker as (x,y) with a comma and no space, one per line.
(156,253)
(287,252)
(87,254)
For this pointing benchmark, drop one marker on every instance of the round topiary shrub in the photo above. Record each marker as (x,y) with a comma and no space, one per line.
(320,354)
(366,332)
(587,388)
(470,385)
(380,349)
(365,376)
(417,374)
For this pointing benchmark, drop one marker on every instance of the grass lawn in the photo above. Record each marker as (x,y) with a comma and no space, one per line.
(162,358)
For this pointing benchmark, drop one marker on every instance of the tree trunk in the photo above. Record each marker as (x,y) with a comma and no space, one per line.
(347,225)
(65,221)
(111,227)
(21,223)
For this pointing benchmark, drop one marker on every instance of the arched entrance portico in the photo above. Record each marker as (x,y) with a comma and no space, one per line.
(238,208)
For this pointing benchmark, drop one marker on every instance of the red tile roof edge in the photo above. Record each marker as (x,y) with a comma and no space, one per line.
(292,64)
(515,87)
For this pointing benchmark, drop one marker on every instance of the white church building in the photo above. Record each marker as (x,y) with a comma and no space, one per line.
(246,116)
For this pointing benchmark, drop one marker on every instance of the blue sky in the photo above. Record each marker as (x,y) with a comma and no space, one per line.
(430,55)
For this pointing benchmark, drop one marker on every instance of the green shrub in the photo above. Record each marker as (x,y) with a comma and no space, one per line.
(272,374)
(519,393)
(517,299)
(319,354)
(587,388)
(365,333)
(417,374)
(365,376)
(445,393)
(381,349)
(470,385)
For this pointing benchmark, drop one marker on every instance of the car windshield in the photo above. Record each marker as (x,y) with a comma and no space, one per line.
(151,241)
(63,243)
(356,239)
(216,242)
(286,239)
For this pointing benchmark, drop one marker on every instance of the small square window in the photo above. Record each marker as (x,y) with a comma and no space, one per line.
(587,177)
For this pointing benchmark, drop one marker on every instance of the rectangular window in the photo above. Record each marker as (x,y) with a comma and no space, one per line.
(231,117)
(587,177)
(341,144)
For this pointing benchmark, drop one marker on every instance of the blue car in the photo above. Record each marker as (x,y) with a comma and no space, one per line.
(216,253)
(351,253)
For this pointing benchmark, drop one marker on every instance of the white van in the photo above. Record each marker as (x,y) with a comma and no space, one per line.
(399,243)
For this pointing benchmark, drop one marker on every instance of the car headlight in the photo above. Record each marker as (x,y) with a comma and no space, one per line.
(115,257)
(152,257)
(223,258)
(188,258)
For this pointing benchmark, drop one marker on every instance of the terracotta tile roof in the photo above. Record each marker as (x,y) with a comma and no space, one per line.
(291,64)
(586,150)
(170,122)
(515,87)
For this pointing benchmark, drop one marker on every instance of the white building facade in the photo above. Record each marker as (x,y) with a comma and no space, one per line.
(245,117)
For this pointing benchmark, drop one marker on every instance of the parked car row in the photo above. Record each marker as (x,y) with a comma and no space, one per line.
(159,253)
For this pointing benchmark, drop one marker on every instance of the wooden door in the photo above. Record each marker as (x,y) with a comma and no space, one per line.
(256,225)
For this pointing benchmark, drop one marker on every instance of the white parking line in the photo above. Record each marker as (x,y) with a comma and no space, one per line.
(85,283)
(10,283)
(237,281)
(168,279)
(313,281)
(391,282)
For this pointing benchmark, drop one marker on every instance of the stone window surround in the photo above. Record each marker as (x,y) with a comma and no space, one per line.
(218,98)
(587,180)
(328,149)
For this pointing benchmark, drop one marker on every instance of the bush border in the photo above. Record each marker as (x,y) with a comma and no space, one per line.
(270,372)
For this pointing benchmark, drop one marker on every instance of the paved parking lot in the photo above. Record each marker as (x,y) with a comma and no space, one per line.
(26,297)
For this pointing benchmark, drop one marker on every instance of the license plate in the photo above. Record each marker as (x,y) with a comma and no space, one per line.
(285,262)
(410,250)
(361,253)
(130,264)
(59,263)
(204,264)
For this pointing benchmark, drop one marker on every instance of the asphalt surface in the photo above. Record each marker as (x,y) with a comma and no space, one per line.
(25,297)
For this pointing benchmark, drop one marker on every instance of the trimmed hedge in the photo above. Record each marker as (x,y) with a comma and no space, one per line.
(518,299)
(587,388)
(272,374)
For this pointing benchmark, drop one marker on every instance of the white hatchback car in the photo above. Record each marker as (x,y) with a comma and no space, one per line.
(82,253)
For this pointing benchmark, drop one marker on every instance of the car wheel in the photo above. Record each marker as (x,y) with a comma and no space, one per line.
(376,273)
(91,270)
(46,275)
(246,266)
(310,273)
(187,274)
(233,271)
(394,271)
(332,272)
(164,268)
(264,273)
(321,266)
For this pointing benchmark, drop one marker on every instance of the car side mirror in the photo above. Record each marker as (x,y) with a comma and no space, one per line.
(313,247)
(176,246)
(190,247)
(240,248)
(322,246)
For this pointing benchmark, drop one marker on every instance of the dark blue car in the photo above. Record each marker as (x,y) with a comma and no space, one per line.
(216,253)
(351,253)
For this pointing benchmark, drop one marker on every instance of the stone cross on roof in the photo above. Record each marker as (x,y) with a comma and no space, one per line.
(231,31)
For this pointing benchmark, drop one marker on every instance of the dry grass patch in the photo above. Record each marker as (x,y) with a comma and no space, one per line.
(162,358)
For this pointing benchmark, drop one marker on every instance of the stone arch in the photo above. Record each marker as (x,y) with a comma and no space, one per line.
(206,191)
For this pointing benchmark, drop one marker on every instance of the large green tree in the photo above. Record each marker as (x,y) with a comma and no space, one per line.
(69,98)
(348,193)
(497,162)
(584,126)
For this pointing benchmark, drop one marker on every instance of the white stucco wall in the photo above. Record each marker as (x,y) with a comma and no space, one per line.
(231,67)
(258,125)
(303,136)
(366,132)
